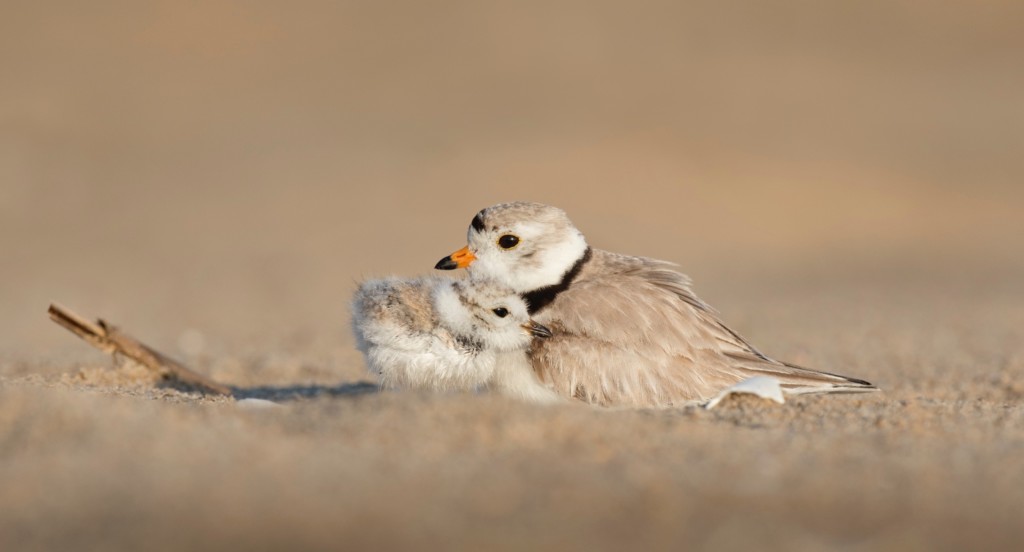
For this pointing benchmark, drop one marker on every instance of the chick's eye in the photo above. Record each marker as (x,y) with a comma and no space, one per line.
(508,241)
(502,312)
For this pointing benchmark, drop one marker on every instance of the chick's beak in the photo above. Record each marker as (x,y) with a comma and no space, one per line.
(460,259)
(537,330)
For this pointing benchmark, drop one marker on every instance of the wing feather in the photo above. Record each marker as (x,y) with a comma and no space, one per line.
(630,331)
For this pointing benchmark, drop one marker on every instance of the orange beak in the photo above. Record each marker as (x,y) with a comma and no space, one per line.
(460,259)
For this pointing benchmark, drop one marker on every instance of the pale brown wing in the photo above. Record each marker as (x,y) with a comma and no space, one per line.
(631,332)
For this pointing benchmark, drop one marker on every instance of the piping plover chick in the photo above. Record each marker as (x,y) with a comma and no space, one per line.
(628,331)
(448,335)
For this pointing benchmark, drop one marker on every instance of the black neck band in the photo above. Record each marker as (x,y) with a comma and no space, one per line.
(542,297)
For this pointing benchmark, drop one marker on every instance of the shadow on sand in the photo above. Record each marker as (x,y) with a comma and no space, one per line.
(284,393)
(296,392)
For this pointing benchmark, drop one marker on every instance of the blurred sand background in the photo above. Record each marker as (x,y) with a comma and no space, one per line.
(843,180)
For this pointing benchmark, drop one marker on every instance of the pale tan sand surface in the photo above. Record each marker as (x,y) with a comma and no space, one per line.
(842,180)
(936,461)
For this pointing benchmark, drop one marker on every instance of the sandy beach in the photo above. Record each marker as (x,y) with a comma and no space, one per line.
(843,184)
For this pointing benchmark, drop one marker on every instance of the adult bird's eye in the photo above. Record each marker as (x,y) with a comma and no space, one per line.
(502,312)
(508,241)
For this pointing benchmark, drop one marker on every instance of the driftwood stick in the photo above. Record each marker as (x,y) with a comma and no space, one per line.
(110,340)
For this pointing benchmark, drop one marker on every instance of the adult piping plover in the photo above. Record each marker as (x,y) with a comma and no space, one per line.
(448,335)
(627,331)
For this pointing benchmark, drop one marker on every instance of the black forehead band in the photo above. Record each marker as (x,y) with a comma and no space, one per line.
(478,223)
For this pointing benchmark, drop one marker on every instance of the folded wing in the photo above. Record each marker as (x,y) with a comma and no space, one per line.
(631,332)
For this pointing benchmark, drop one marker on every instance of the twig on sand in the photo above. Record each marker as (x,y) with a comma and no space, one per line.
(110,340)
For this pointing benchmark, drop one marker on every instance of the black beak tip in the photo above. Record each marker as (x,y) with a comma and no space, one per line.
(446,264)
(539,330)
